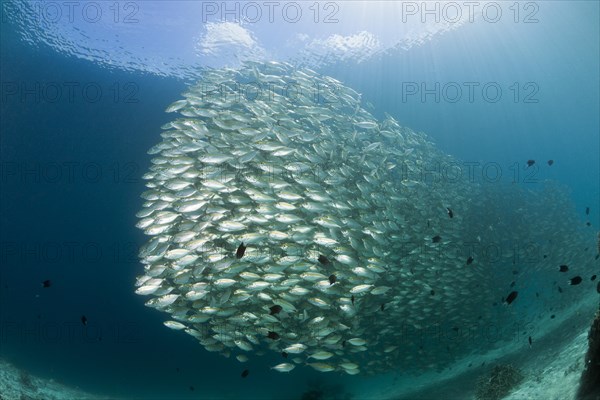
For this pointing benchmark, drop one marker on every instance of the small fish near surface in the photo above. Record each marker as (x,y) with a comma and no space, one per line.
(530,163)
(245,373)
(550,162)
(47,283)
(450,212)
(273,335)
(436,239)
(470,260)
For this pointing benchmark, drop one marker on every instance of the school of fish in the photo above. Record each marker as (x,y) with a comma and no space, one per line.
(283,216)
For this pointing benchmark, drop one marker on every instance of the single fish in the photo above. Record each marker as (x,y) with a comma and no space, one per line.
(511,297)
(323,260)
(284,367)
(576,280)
(275,309)
(240,251)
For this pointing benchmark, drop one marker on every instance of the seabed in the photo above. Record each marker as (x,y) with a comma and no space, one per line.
(551,368)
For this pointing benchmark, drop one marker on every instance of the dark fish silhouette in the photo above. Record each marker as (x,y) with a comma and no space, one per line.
(84,320)
(550,162)
(576,280)
(470,260)
(240,251)
(382,306)
(245,373)
(323,260)
(432,292)
(436,239)
(593,278)
(560,290)
(332,279)
(284,354)
(275,309)
(512,284)
(552,316)
(47,283)
(450,213)
(587,211)
(529,341)
(530,163)
(563,268)
(352,299)
(272,335)
(511,297)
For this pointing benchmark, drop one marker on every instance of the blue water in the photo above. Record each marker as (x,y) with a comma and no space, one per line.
(71,182)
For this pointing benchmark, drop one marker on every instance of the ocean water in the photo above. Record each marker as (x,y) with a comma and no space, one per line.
(83,98)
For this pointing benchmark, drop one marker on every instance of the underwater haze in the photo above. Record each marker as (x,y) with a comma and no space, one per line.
(298,200)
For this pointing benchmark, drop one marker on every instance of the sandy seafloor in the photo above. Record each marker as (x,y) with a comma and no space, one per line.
(17,384)
(552,367)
